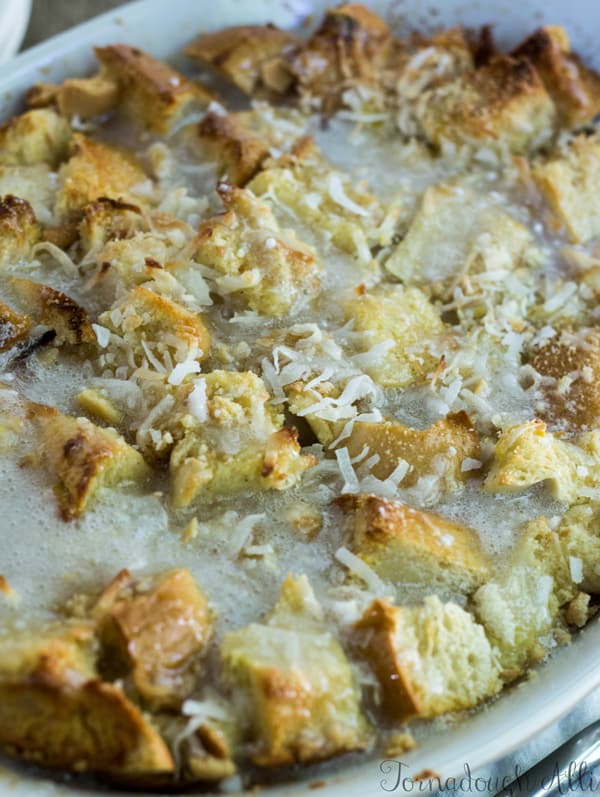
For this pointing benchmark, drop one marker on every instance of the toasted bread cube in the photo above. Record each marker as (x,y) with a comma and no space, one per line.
(96,170)
(519,607)
(403,545)
(38,136)
(455,233)
(571,364)
(527,454)
(574,88)
(19,230)
(150,91)
(404,319)
(324,199)
(237,148)
(429,659)
(83,458)
(252,57)
(269,269)
(56,311)
(504,103)
(235,441)
(579,534)
(350,49)
(108,219)
(55,711)
(82,97)
(14,327)
(147,320)
(300,701)
(33,185)
(156,629)
(439,449)
(568,183)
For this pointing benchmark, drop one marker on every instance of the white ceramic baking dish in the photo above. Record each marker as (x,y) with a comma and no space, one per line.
(163,28)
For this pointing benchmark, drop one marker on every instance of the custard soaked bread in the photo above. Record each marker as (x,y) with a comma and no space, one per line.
(300,340)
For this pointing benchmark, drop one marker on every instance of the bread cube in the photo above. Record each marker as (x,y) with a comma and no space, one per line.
(81,97)
(299,701)
(403,545)
(157,629)
(150,91)
(405,319)
(38,136)
(252,57)
(108,219)
(579,534)
(57,311)
(83,458)
(350,49)
(429,659)
(235,441)
(54,709)
(570,363)
(438,450)
(148,321)
(95,170)
(14,327)
(568,182)
(32,185)
(574,88)
(528,454)
(457,232)
(324,199)
(503,103)
(519,606)
(19,230)
(230,140)
(270,270)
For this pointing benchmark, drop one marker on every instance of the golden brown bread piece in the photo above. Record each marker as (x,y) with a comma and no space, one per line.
(445,444)
(95,170)
(429,659)
(405,319)
(146,317)
(238,150)
(55,711)
(406,546)
(19,230)
(37,136)
(568,182)
(240,444)
(55,310)
(14,327)
(350,49)
(83,457)
(252,57)
(106,219)
(504,103)
(268,269)
(300,701)
(574,87)
(156,629)
(150,91)
(519,606)
(570,361)
(83,97)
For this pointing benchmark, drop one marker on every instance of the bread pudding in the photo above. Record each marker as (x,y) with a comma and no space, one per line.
(299,428)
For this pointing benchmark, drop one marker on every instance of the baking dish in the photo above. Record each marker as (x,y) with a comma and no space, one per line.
(567,678)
